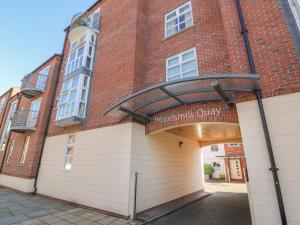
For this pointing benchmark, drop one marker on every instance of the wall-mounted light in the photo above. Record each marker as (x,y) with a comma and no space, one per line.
(180,144)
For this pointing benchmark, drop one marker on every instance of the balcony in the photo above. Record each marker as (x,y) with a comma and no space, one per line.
(81,24)
(33,85)
(24,121)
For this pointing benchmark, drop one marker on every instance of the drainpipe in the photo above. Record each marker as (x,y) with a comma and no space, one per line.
(49,117)
(273,168)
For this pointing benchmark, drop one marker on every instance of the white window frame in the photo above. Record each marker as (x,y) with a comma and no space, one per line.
(178,14)
(67,156)
(11,149)
(295,7)
(25,150)
(67,104)
(181,62)
(6,130)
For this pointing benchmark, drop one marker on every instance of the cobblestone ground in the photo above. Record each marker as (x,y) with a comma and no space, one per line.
(20,209)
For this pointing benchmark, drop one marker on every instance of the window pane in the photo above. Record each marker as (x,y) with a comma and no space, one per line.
(72,56)
(185,16)
(68,162)
(172,31)
(185,24)
(189,55)
(65,85)
(70,150)
(80,52)
(71,139)
(190,74)
(174,71)
(72,96)
(81,109)
(172,23)
(189,66)
(184,8)
(83,95)
(174,61)
(88,62)
(174,78)
(75,82)
(172,15)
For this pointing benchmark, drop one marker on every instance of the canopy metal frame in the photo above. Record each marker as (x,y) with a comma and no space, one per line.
(219,93)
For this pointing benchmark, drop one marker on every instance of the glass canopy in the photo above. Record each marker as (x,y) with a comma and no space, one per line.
(213,87)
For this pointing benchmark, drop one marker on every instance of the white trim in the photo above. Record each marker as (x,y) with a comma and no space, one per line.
(178,14)
(180,63)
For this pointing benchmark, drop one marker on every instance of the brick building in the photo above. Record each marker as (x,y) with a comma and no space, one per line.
(24,126)
(144,84)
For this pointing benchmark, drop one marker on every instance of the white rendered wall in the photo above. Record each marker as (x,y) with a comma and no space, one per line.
(165,171)
(283,117)
(17,183)
(211,156)
(100,172)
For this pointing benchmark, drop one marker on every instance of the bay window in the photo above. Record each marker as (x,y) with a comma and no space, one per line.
(73,97)
(81,53)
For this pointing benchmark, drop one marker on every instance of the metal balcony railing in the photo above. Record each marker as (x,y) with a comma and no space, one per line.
(83,20)
(25,121)
(33,84)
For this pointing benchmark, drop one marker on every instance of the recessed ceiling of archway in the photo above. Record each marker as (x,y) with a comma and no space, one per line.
(209,132)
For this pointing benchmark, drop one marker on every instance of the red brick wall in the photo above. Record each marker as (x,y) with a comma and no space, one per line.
(28,170)
(131,50)
(230,150)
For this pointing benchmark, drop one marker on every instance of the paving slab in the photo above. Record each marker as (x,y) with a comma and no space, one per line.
(19,209)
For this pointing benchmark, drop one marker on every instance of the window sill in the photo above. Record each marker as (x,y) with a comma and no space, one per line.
(180,32)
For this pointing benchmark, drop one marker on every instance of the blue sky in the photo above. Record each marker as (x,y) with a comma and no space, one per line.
(32,31)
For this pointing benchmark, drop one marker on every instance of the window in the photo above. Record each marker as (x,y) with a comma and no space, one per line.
(10,151)
(2,103)
(81,53)
(25,149)
(73,97)
(214,148)
(178,19)
(233,145)
(183,65)
(42,78)
(69,152)
(34,113)
(295,6)
(7,125)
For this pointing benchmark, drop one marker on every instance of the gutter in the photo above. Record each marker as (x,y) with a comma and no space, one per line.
(273,168)
(49,117)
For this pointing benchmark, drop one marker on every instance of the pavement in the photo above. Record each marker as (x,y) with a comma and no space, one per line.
(227,204)
(20,209)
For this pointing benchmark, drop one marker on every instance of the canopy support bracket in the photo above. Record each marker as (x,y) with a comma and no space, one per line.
(225,97)
(137,115)
(171,95)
